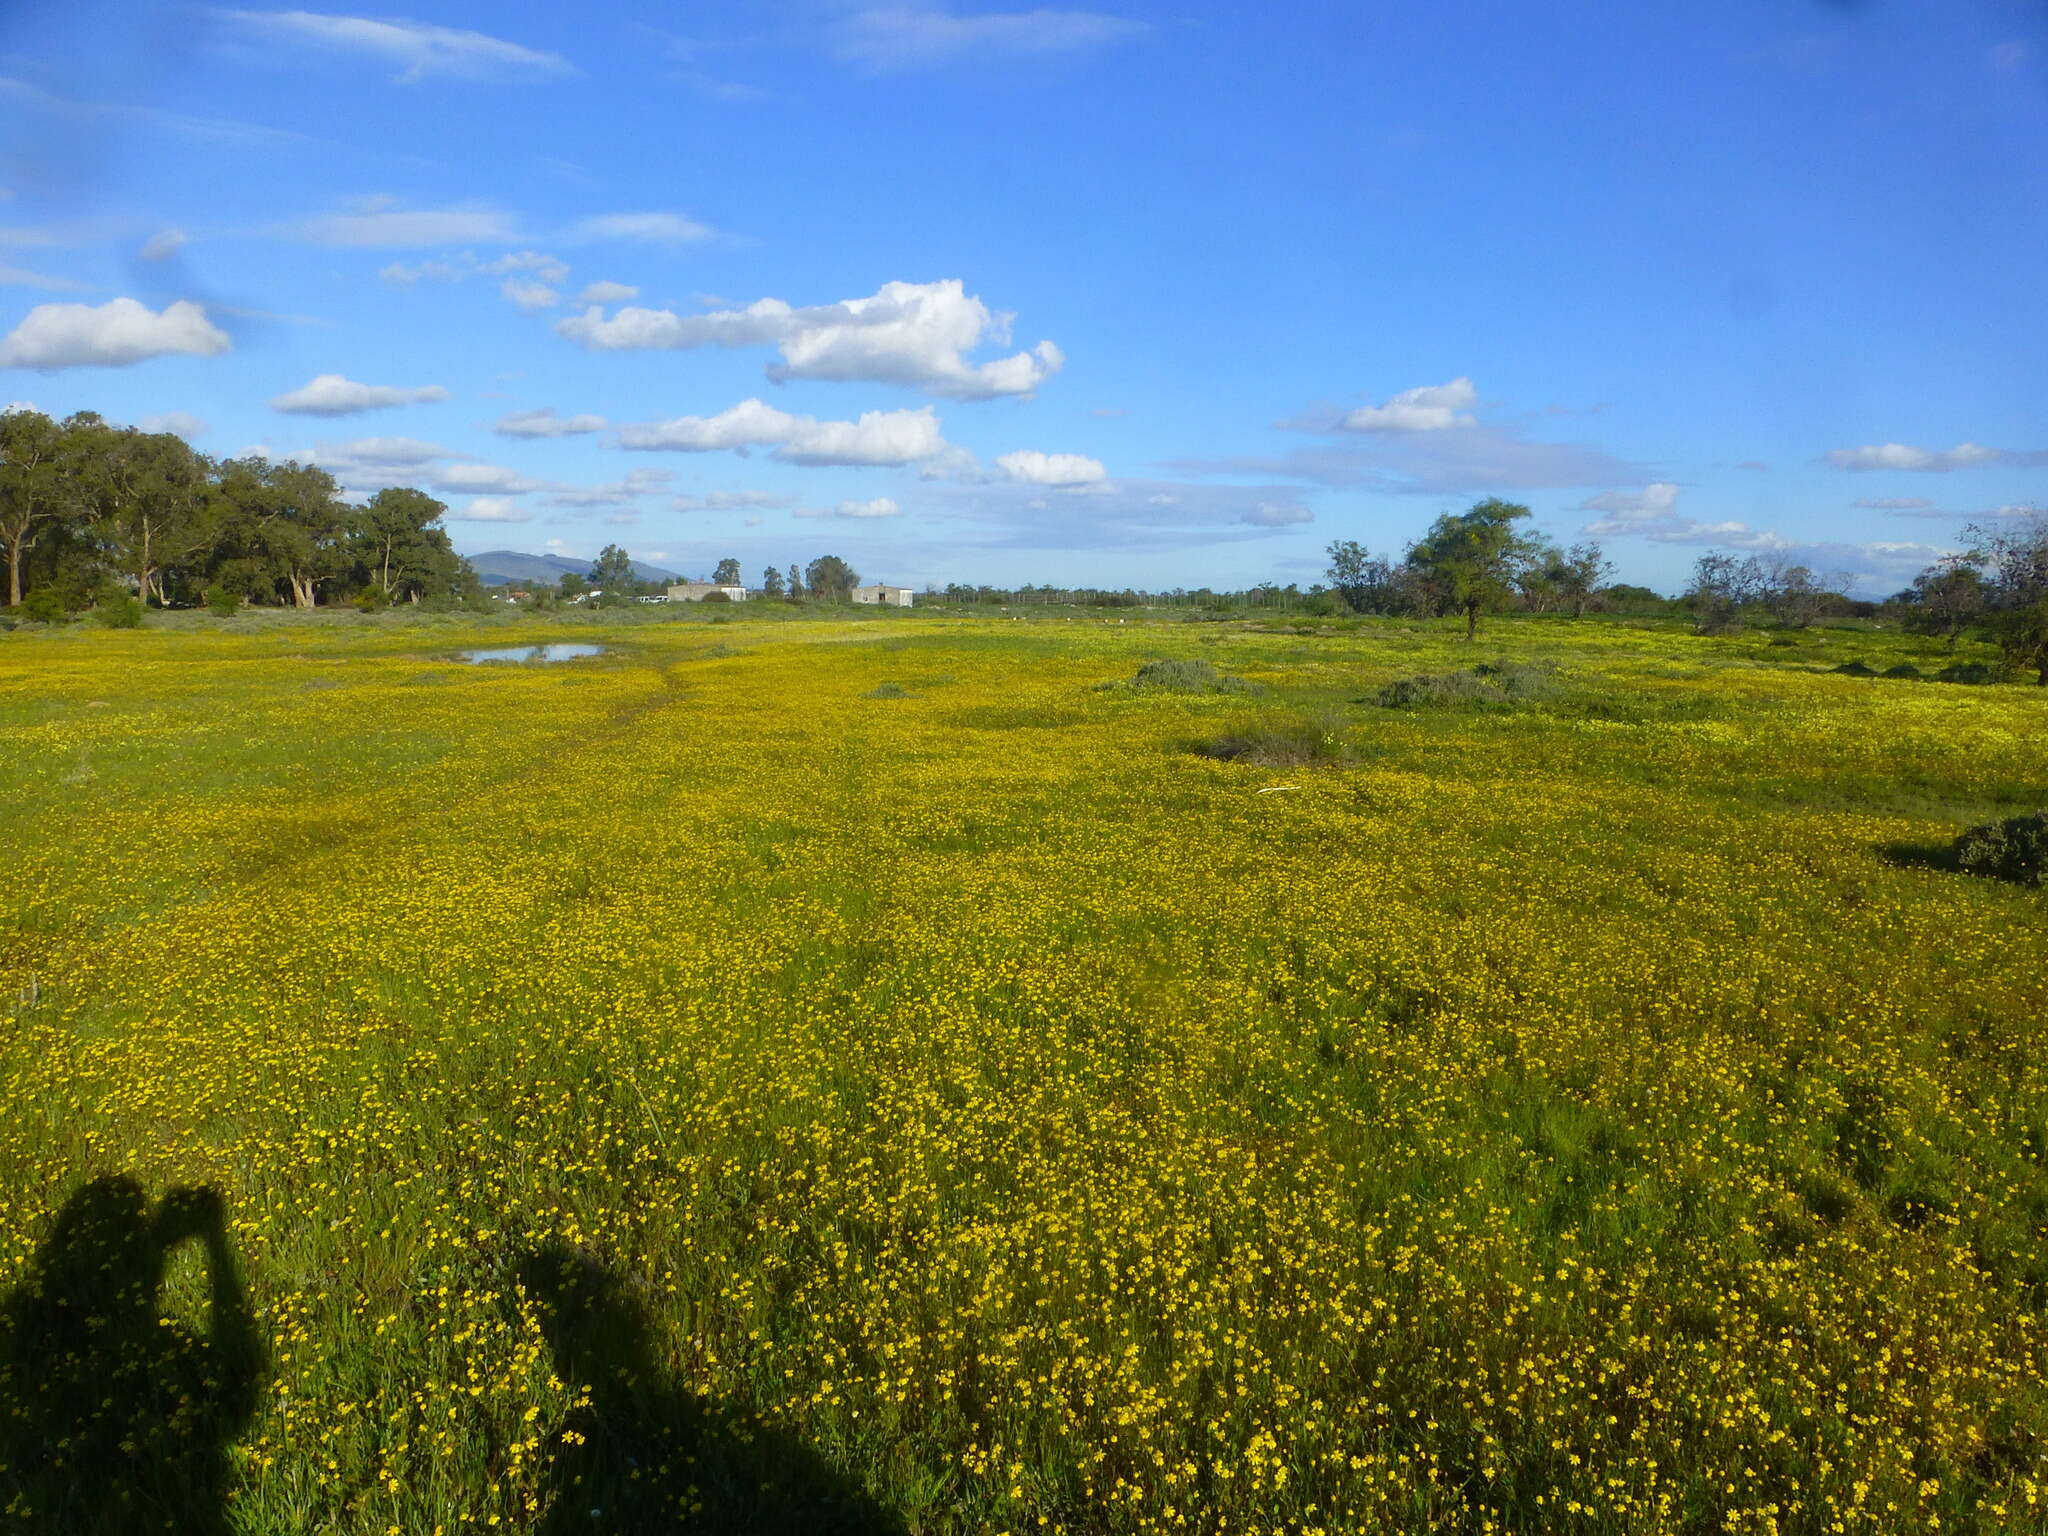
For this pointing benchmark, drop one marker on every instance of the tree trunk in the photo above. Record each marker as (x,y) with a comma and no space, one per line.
(14,573)
(1471,621)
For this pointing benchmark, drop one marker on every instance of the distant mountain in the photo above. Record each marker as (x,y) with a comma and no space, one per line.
(508,567)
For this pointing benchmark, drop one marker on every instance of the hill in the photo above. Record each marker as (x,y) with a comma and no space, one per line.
(501,567)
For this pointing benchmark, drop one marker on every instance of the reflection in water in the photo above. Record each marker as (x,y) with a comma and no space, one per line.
(522,654)
(113,1418)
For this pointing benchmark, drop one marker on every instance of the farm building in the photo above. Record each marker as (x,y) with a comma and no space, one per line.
(888,597)
(697,591)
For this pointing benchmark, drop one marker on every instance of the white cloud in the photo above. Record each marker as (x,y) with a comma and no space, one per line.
(98,114)
(111,335)
(21,277)
(332,395)
(1895,504)
(377,225)
(879,437)
(380,453)
(607,293)
(910,35)
(492,509)
(1035,468)
(638,482)
(545,423)
(163,245)
(1277,514)
(670,229)
(17,405)
(529,297)
(1658,500)
(906,333)
(724,501)
(483,477)
(548,269)
(466,264)
(1429,408)
(881,506)
(417,50)
(183,423)
(1903,456)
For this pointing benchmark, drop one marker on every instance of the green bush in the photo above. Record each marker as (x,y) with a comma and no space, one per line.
(43,606)
(370,600)
(1495,683)
(1856,669)
(1295,741)
(1970,672)
(1185,675)
(221,602)
(1904,669)
(2015,849)
(120,612)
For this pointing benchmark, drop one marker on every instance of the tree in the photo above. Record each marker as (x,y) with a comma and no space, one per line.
(796,582)
(572,584)
(1470,558)
(400,544)
(1722,587)
(831,578)
(1788,592)
(612,572)
(2015,561)
(278,526)
(771,582)
(1945,599)
(1575,574)
(32,487)
(1367,584)
(728,572)
(148,495)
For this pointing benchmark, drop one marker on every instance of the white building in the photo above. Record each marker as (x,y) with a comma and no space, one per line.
(697,591)
(888,597)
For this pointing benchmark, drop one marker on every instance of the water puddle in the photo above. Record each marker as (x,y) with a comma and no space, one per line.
(528,655)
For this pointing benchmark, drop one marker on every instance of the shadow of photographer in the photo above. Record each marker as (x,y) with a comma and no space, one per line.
(645,1455)
(113,1418)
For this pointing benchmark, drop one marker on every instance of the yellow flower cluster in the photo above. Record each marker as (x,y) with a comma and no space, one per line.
(1598,1114)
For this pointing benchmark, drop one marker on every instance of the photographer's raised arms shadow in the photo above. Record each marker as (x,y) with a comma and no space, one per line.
(114,1419)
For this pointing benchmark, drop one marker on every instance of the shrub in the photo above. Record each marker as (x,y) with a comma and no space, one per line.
(370,600)
(888,691)
(120,612)
(1856,669)
(1186,675)
(2015,849)
(1501,682)
(1298,741)
(43,606)
(1904,669)
(221,602)
(1969,672)
(715,597)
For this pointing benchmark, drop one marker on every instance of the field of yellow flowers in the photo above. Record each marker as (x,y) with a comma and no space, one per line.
(797,1074)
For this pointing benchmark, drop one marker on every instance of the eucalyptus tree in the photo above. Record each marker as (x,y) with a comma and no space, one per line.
(148,499)
(401,547)
(33,487)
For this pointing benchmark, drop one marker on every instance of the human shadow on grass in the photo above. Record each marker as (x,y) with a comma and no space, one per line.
(113,1418)
(645,1455)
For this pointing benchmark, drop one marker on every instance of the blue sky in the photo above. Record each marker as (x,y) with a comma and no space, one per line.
(1148,294)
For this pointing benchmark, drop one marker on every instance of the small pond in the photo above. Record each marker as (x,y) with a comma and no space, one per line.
(524,654)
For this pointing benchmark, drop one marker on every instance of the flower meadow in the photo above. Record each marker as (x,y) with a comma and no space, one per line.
(795,1073)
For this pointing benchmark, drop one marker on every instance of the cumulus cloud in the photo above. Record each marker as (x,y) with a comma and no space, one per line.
(330,394)
(1428,408)
(495,478)
(607,293)
(379,453)
(183,423)
(1904,456)
(1657,500)
(545,423)
(162,245)
(1035,468)
(907,35)
(529,297)
(881,506)
(110,335)
(1277,514)
(915,334)
(877,438)
(667,229)
(416,50)
(491,509)
(376,224)
(725,501)
(638,483)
